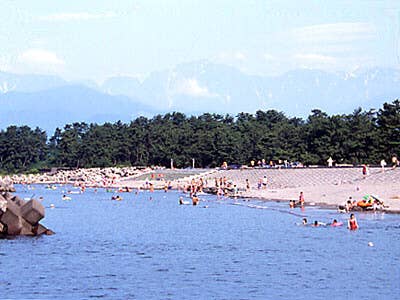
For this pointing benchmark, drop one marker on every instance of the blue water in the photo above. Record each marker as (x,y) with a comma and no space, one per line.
(152,248)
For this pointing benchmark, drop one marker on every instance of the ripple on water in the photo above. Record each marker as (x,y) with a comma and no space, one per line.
(154,253)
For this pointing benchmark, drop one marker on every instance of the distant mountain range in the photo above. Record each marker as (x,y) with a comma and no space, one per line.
(56,107)
(192,88)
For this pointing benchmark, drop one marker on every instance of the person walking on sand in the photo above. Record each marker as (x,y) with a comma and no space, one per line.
(330,162)
(352,223)
(264,182)
(247,185)
(365,170)
(383,165)
(394,162)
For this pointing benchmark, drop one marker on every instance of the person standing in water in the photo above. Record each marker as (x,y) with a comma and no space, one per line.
(352,223)
(301,199)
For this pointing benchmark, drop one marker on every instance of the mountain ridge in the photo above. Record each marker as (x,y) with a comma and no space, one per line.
(192,88)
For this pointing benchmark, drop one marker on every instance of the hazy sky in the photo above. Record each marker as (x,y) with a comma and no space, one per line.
(99,39)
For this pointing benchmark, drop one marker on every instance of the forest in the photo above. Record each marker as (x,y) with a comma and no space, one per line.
(209,139)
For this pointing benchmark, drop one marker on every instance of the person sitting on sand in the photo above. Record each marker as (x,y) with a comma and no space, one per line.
(349,204)
(352,223)
(165,186)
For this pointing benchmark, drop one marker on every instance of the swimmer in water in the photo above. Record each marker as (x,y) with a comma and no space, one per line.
(335,223)
(304,221)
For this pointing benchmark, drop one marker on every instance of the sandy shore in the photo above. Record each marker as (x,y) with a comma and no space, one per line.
(321,186)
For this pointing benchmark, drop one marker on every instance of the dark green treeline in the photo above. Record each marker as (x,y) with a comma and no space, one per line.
(360,137)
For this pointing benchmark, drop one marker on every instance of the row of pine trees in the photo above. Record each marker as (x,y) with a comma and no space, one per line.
(210,139)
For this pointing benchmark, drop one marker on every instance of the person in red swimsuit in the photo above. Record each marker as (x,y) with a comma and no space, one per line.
(352,223)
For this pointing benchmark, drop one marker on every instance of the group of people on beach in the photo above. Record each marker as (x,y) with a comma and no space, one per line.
(369,202)
(300,202)
(274,164)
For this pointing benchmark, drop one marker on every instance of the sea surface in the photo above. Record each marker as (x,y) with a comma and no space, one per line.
(149,247)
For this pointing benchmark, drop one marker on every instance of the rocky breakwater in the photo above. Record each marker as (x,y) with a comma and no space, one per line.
(20,217)
(94,177)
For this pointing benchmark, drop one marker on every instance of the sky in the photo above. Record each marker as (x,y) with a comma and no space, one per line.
(97,39)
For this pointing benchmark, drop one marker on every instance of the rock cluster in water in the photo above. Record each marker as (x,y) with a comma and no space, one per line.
(20,217)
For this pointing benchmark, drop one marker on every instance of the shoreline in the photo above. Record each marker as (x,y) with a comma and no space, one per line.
(323,187)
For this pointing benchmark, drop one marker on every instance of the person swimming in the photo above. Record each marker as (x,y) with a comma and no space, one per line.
(304,221)
(335,223)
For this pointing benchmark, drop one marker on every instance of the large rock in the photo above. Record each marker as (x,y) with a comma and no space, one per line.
(17,200)
(32,211)
(6,186)
(18,217)
(11,218)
